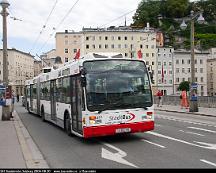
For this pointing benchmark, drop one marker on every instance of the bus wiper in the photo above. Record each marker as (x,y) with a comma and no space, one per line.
(110,105)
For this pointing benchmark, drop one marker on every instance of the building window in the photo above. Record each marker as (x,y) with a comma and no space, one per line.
(75,50)
(125,38)
(183,70)
(106,38)
(177,79)
(113,46)
(189,70)
(66,50)
(87,38)
(93,46)
(147,54)
(100,46)
(106,46)
(182,61)
(201,61)
(126,46)
(119,38)
(201,79)
(201,70)
(152,46)
(119,46)
(126,54)
(100,38)
(66,59)
(177,61)
(147,46)
(159,63)
(189,61)
(177,70)
(141,46)
(170,63)
(87,46)
(153,54)
(113,38)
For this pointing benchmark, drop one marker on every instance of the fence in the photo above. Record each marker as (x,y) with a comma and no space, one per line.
(203,101)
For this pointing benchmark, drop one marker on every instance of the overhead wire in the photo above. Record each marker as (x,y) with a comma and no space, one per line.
(44,26)
(60,23)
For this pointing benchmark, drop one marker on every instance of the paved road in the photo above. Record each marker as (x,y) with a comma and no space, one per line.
(178,141)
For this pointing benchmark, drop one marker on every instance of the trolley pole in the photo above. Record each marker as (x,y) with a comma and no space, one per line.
(5,109)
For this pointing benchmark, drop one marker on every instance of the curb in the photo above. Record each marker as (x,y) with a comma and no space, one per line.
(31,153)
(200,114)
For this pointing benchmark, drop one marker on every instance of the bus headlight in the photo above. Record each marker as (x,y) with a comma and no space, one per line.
(149,115)
(92,119)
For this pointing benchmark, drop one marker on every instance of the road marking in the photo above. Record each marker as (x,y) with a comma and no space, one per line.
(116,157)
(184,121)
(206,145)
(161,146)
(210,163)
(191,133)
(211,131)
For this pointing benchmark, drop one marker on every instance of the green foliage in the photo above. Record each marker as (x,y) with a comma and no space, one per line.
(184,86)
(148,11)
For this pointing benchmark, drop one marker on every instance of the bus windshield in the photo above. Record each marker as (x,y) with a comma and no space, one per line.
(117,84)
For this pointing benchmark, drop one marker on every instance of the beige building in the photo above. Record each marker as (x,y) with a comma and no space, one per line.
(124,40)
(211,70)
(21,68)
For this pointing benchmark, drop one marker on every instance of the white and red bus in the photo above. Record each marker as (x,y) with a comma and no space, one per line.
(97,95)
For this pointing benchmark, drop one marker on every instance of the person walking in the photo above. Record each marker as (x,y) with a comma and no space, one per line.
(159,95)
(184,100)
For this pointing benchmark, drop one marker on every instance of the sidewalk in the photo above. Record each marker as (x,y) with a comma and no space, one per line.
(17,148)
(202,111)
(10,150)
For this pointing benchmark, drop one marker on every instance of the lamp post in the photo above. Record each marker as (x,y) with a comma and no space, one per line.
(5,4)
(193,89)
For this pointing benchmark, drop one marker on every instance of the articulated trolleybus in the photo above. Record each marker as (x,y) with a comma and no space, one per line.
(97,95)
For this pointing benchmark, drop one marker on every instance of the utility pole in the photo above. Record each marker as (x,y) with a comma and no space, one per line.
(5,4)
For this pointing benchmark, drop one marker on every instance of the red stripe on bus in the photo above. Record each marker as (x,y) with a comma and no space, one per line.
(111,129)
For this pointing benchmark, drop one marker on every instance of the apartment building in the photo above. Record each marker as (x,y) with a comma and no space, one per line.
(182,66)
(124,40)
(211,70)
(21,68)
(165,66)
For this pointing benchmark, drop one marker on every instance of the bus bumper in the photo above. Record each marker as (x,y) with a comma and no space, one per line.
(114,129)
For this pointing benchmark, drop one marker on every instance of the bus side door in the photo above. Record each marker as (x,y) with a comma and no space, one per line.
(76,104)
(53,99)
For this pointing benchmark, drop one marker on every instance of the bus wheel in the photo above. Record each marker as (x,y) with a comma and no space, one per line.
(43,114)
(67,124)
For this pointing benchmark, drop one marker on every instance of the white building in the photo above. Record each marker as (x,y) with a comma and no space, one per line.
(165,65)
(182,68)
(124,40)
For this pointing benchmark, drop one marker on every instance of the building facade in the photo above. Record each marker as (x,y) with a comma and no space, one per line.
(165,66)
(37,67)
(182,66)
(21,68)
(124,40)
(211,70)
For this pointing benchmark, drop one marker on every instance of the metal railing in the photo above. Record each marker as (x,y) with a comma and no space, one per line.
(203,101)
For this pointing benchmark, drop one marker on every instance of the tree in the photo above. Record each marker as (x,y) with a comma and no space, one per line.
(184,86)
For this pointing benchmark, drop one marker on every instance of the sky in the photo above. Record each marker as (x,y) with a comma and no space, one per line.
(28,34)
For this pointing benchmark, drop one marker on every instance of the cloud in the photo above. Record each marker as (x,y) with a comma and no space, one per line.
(86,13)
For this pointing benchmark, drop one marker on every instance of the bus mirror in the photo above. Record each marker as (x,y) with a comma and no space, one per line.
(83,81)
(83,71)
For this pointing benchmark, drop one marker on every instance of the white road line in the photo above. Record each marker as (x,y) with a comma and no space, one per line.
(210,163)
(161,146)
(203,145)
(211,131)
(184,121)
(192,133)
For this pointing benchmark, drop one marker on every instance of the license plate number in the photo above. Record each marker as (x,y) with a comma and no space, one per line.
(124,130)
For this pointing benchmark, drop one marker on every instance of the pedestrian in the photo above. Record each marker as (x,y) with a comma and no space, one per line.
(17,97)
(184,100)
(159,95)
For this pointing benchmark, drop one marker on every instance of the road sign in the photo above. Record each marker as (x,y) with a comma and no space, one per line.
(194,85)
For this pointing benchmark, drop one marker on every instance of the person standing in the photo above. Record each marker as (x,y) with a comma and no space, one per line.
(159,95)
(184,100)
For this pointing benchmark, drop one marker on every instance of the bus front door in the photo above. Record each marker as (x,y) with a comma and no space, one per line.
(76,107)
(53,99)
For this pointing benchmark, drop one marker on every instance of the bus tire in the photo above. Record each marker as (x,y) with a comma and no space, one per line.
(43,114)
(67,124)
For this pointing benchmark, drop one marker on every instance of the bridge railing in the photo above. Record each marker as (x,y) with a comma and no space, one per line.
(203,101)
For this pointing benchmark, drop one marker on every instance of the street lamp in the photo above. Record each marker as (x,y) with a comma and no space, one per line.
(193,89)
(5,4)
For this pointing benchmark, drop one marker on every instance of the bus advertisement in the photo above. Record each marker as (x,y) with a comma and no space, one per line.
(97,95)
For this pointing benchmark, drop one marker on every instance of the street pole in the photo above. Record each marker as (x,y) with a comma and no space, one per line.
(5,4)
(193,90)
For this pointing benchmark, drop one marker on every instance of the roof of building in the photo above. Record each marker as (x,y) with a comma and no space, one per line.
(19,51)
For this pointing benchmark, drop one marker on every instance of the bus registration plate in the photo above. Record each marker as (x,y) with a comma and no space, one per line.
(124,130)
